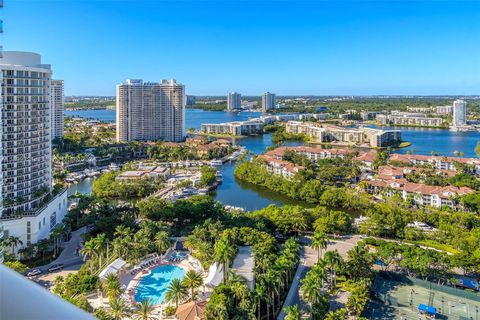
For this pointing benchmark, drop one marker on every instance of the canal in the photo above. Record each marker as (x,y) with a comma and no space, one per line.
(241,194)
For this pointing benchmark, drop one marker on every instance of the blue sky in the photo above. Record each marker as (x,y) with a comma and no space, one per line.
(286,47)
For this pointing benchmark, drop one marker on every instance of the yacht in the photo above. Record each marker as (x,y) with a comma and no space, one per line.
(70,179)
(113,167)
(219,176)
(216,162)
(203,191)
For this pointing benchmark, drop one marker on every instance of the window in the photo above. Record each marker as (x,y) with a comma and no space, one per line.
(39,225)
(53,220)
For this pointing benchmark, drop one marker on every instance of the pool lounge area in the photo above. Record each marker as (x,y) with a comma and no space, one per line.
(153,285)
(152,277)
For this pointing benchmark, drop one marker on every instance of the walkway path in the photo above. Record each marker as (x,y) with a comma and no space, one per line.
(309,258)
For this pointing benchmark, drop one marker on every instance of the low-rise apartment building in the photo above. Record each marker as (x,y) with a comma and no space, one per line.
(437,162)
(321,132)
(422,194)
(315,132)
(444,109)
(406,119)
(237,128)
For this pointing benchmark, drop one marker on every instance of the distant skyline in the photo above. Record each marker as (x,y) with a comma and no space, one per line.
(285,47)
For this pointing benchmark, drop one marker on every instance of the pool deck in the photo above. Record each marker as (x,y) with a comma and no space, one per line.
(134,280)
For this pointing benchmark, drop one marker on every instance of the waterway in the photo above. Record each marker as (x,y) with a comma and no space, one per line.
(250,197)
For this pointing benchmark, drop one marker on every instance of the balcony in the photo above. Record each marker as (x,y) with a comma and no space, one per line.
(35,212)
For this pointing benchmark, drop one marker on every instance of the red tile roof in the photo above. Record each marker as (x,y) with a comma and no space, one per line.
(410,187)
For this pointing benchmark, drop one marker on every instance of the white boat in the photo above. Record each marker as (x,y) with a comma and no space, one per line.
(216,162)
(90,173)
(113,167)
(234,155)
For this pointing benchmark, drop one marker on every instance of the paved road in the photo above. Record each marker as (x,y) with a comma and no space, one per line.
(68,257)
(309,258)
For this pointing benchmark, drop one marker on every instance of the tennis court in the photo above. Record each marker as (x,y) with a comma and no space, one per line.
(398,297)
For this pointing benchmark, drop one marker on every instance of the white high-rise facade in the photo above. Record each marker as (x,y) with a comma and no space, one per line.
(149,111)
(234,101)
(57,100)
(459,113)
(268,101)
(29,209)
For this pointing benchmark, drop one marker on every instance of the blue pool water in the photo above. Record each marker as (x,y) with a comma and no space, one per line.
(178,255)
(154,285)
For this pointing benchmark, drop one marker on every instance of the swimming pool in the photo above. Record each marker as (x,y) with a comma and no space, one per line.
(178,255)
(154,285)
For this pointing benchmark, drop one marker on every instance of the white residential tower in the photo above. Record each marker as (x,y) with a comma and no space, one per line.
(30,207)
(459,113)
(57,99)
(234,101)
(268,101)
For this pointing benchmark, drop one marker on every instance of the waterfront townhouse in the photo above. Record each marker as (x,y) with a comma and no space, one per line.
(280,167)
(312,153)
(366,159)
(422,194)
(437,162)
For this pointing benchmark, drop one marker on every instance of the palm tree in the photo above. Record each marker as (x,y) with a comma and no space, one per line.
(12,242)
(112,286)
(144,310)
(99,242)
(333,260)
(340,314)
(119,309)
(224,253)
(292,312)
(273,281)
(55,236)
(258,296)
(176,292)
(192,281)
(311,291)
(319,242)
(355,304)
(161,241)
(89,250)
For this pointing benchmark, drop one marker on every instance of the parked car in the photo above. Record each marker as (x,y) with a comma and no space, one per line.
(34,272)
(55,267)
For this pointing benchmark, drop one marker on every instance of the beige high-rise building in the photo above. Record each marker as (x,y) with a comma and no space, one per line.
(149,111)
(57,99)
